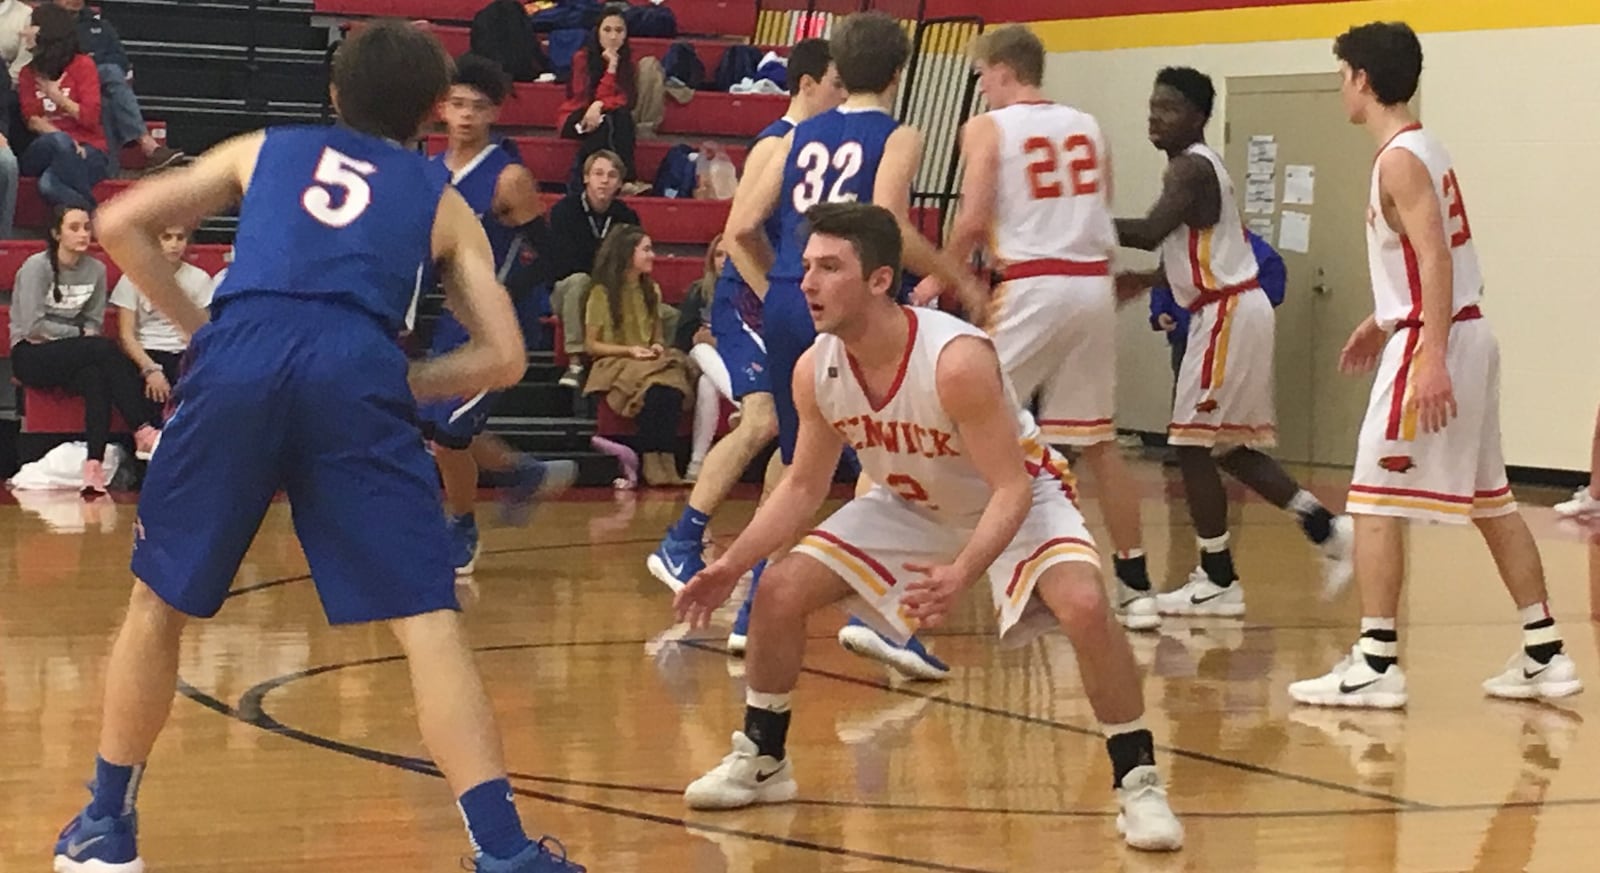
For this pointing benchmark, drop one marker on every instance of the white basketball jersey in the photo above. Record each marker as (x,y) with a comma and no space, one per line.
(1051,202)
(1213,260)
(908,444)
(1396,277)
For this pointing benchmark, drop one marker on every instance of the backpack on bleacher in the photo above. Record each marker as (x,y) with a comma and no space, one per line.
(651,20)
(500,33)
(676,177)
(683,63)
(566,15)
(738,63)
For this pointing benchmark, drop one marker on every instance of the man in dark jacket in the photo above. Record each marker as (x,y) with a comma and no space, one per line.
(578,222)
(119,113)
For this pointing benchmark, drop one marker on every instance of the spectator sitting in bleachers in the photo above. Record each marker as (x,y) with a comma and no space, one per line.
(693,338)
(578,222)
(58,305)
(119,108)
(598,111)
(152,341)
(640,377)
(60,95)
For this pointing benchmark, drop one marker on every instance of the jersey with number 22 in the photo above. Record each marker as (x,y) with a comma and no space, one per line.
(834,158)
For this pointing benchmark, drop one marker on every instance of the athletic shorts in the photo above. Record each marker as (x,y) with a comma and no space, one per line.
(1224,391)
(1057,338)
(1454,475)
(311,398)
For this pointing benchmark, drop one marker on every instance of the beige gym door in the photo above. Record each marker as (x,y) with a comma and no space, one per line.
(1329,293)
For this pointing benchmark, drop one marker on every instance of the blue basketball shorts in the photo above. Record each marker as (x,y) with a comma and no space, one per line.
(739,345)
(453,423)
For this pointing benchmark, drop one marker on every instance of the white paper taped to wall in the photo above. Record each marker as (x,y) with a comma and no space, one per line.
(1294,233)
(1299,184)
(1259,194)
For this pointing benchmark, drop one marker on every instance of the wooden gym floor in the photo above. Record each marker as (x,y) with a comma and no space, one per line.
(293,748)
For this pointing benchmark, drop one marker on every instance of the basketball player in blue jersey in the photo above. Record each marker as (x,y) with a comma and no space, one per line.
(505,196)
(857,152)
(297,383)
(736,320)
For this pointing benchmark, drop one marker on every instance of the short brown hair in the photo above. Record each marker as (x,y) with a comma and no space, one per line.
(869,50)
(1014,46)
(390,76)
(605,155)
(870,229)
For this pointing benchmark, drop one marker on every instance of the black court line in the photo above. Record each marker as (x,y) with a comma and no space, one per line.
(250,711)
(1093,732)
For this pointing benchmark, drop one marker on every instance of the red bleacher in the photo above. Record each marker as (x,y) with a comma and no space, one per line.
(550,159)
(707,17)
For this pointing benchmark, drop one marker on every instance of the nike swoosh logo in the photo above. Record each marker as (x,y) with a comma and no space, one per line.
(1197,600)
(74,848)
(675,568)
(1535,674)
(763,777)
(1346,688)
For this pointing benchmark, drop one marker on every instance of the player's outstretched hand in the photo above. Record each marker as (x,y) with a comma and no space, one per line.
(1130,285)
(1433,396)
(709,589)
(928,291)
(1361,351)
(930,599)
(1167,323)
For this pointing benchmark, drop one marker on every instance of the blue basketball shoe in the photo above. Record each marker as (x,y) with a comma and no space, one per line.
(912,660)
(545,856)
(99,845)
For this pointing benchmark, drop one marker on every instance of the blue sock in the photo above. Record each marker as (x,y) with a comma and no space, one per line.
(492,821)
(467,519)
(691,526)
(755,576)
(116,787)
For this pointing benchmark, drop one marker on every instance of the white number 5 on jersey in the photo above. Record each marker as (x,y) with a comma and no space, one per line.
(815,160)
(339,172)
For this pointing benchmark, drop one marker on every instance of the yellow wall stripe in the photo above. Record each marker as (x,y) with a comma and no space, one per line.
(1304,21)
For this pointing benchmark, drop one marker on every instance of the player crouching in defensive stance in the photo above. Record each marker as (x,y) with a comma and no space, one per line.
(920,397)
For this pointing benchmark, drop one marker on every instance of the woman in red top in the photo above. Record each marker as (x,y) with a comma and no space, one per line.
(60,95)
(598,111)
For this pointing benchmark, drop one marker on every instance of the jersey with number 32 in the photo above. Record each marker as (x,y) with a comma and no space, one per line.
(333,214)
(1051,197)
(1396,278)
(834,158)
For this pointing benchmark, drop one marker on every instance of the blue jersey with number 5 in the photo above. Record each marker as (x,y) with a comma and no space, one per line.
(834,158)
(333,214)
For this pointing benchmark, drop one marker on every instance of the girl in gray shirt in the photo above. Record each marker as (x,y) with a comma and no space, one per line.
(58,306)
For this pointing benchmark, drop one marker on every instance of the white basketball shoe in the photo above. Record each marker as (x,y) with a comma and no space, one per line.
(1353,682)
(1136,609)
(1144,819)
(744,778)
(1200,596)
(1527,679)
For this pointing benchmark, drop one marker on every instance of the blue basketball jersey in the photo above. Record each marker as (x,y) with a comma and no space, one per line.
(834,159)
(476,181)
(333,214)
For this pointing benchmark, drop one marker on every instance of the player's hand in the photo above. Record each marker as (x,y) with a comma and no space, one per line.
(156,387)
(708,590)
(929,600)
(1433,396)
(927,292)
(1130,285)
(1166,322)
(1361,351)
(976,300)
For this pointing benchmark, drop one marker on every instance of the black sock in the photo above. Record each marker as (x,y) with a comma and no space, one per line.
(1130,750)
(1132,572)
(767,729)
(1379,663)
(1218,567)
(1318,524)
(1542,652)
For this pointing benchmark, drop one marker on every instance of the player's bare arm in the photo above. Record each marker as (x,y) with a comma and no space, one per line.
(902,157)
(130,225)
(516,197)
(980,144)
(1411,206)
(754,201)
(1190,194)
(785,514)
(973,394)
(493,357)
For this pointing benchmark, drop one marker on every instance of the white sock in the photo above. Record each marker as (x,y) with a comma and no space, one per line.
(1112,730)
(770,702)
(1214,544)
(1304,502)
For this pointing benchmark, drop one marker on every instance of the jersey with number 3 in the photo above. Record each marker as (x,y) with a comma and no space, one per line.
(834,158)
(1051,198)
(1396,274)
(333,214)
(907,442)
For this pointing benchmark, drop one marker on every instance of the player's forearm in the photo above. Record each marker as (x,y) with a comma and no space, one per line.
(135,249)
(923,259)
(777,523)
(474,367)
(753,258)
(1437,301)
(1138,233)
(1003,516)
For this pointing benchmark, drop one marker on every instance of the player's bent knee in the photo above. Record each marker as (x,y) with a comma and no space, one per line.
(758,418)
(795,587)
(148,608)
(1074,593)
